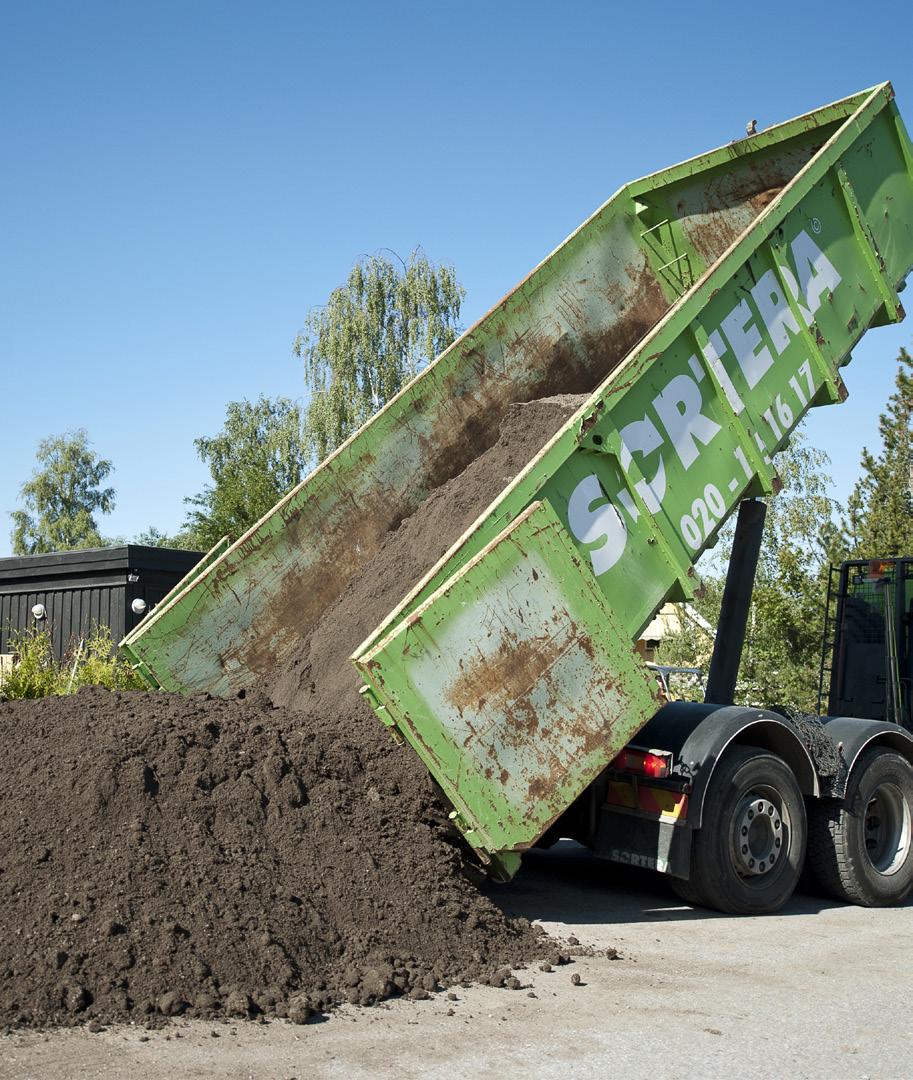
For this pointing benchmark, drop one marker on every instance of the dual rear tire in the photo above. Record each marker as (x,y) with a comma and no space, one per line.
(861,847)
(749,853)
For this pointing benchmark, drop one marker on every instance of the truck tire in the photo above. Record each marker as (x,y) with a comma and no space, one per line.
(748,854)
(861,847)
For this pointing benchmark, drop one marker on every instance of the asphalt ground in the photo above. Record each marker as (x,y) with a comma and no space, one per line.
(818,990)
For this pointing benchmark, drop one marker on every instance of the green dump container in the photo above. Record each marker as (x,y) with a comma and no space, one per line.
(706,307)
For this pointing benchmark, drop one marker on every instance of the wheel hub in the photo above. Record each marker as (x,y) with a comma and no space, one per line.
(887,829)
(757,835)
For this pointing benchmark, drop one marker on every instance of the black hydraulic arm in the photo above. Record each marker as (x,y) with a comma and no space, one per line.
(730,632)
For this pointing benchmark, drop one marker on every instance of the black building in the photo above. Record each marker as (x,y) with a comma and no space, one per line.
(78,589)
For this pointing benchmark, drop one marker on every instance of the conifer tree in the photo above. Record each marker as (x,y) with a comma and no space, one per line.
(879,518)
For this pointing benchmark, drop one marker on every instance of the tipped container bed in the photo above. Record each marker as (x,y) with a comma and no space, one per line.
(703,310)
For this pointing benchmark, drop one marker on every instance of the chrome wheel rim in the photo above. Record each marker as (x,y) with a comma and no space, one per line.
(887,829)
(759,839)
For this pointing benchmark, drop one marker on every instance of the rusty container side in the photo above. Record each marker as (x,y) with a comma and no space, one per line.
(518,675)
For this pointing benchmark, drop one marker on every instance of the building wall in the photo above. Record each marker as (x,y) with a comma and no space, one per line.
(71,613)
(81,590)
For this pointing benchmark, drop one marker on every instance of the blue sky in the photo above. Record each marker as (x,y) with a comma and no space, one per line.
(181,183)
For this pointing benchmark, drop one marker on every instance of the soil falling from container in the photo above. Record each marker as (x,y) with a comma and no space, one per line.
(277,855)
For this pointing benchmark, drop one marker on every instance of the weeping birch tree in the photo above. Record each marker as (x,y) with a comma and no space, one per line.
(373,335)
(62,497)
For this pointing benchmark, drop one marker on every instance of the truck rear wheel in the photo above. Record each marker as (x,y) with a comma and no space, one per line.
(861,847)
(747,856)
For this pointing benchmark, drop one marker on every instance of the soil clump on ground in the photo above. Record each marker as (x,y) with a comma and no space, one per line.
(277,854)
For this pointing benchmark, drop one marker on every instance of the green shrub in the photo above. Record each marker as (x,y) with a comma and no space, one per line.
(92,661)
(34,673)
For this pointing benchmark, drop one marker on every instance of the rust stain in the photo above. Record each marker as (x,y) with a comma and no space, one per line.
(591,418)
(503,683)
(539,790)
(714,214)
(326,563)
(503,679)
(725,224)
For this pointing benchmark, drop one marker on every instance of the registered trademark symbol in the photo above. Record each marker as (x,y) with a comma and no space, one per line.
(816,225)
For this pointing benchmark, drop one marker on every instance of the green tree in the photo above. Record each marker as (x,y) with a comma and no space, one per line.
(62,497)
(254,460)
(374,334)
(879,517)
(153,537)
(782,654)
(780,659)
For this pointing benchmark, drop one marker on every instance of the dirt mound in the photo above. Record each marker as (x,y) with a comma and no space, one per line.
(163,854)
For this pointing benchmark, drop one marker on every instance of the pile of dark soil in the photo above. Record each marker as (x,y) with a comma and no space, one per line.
(163,854)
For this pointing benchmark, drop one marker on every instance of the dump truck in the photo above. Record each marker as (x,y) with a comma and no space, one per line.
(702,310)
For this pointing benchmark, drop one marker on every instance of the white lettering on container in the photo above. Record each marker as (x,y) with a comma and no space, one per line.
(642,437)
(592,518)
(816,272)
(745,339)
(679,409)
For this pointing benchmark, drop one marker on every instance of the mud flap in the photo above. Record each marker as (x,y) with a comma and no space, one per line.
(653,845)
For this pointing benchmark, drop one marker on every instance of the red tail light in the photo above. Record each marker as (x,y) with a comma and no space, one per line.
(654,763)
